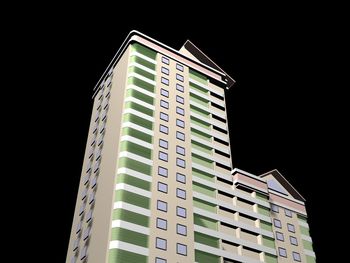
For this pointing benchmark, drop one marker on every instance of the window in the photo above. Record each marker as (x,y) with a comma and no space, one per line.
(75,244)
(274,208)
(92,198)
(83,253)
(277,223)
(165,81)
(165,71)
(78,227)
(162,171)
(279,236)
(180,123)
(162,223)
(288,213)
(282,252)
(163,156)
(163,144)
(164,93)
(163,129)
(162,187)
(293,240)
(180,162)
(180,111)
(181,229)
(291,228)
(160,260)
(160,243)
(181,249)
(179,87)
(179,67)
(180,211)
(162,206)
(296,256)
(180,136)
(180,193)
(82,208)
(180,178)
(89,216)
(180,77)
(165,60)
(164,116)
(84,193)
(93,182)
(180,99)
(164,104)
(180,150)
(86,233)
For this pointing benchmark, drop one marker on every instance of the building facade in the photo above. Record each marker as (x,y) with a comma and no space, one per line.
(157,183)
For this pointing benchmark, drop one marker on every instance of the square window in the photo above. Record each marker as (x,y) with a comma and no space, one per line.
(180,211)
(164,93)
(161,243)
(75,244)
(163,144)
(279,236)
(181,229)
(162,171)
(180,111)
(83,253)
(180,178)
(180,123)
(165,60)
(179,67)
(277,223)
(162,187)
(163,129)
(296,256)
(162,223)
(291,228)
(160,260)
(180,77)
(180,136)
(78,227)
(164,116)
(180,150)
(293,240)
(282,252)
(165,71)
(180,162)
(89,216)
(162,206)
(165,81)
(163,156)
(164,104)
(179,87)
(274,208)
(86,233)
(181,249)
(180,99)
(288,213)
(180,193)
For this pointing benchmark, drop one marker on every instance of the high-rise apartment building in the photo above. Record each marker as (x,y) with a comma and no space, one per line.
(157,183)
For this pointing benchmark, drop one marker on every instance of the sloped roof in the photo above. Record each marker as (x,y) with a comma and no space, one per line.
(283,181)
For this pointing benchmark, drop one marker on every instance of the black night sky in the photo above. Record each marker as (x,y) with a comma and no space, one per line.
(277,110)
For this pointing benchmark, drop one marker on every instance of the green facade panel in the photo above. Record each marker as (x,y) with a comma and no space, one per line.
(203,257)
(132,217)
(206,240)
(307,245)
(268,242)
(142,72)
(198,88)
(200,134)
(203,189)
(204,205)
(205,222)
(138,107)
(140,83)
(143,62)
(129,117)
(131,180)
(136,149)
(203,175)
(310,259)
(134,165)
(132,198)
(270,258)
(198,76)
(199,100)
(137,134)
(139,95)
(202,161)
(200,123)
(119,255)
(129,236)
(144,50)
(304,231)
(263,210)
(266,225)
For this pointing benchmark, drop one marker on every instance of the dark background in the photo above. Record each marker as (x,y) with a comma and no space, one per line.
(279,111)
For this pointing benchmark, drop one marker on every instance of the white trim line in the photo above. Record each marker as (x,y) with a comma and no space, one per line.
(206,87)
(309,253)
(135,53)
(132,208)
(128,124)
(306,238)
(224,149)
(211,157)
(133,189)
(130,226)
(135,157)
(135,75)
(304,224)
(134,174)
(138,113)
(207,97)
(211,171)
(223,253)
(232,222)
(200,128)
(128,247)
(136,141)
(134,64)
(196,104)
(230,238)
(140,102)
(141,90)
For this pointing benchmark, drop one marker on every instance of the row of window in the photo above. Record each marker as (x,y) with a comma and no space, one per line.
(287,212)
(161,243)
(162,171)
(283,253)
(277,223)
(293,240)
